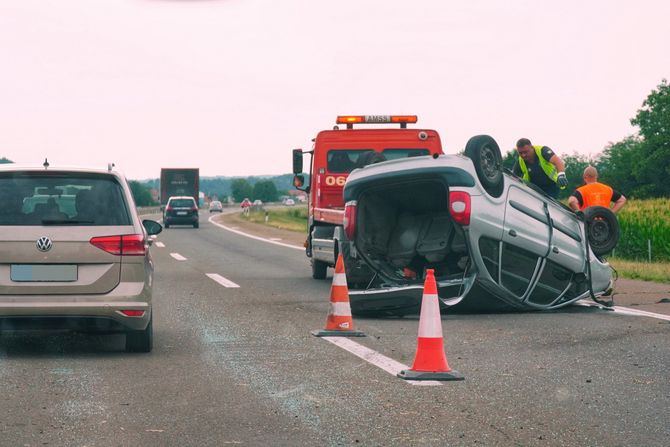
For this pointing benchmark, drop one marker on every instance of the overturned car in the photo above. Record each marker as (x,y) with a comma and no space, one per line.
(494,242)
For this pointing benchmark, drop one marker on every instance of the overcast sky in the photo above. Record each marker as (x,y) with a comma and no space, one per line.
(231,86)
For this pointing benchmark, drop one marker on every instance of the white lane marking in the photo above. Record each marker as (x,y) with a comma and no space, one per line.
(160,245)
(225,282)
(379,360)
(178,257)
(627,311)
(251,236)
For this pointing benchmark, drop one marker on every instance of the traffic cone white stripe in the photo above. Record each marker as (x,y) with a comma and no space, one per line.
(340,309)
(430,323)
(339,279)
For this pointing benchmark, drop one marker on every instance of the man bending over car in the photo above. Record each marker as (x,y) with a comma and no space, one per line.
(540,166)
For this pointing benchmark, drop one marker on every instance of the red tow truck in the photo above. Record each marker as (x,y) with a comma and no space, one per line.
(334,155)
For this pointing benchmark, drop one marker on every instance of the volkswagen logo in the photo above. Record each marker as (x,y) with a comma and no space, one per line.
(44,244)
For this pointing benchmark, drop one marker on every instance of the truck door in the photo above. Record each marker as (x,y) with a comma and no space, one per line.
(525,240)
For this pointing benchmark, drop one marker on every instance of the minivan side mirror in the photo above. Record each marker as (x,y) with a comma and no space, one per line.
(152,227)
(297,161)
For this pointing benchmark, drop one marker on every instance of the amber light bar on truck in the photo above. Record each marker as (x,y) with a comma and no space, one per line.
(350,120)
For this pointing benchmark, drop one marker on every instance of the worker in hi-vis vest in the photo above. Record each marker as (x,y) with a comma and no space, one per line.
(594,193)
(540,166)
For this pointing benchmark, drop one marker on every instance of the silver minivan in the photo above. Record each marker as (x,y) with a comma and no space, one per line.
(74,254)
(494,242)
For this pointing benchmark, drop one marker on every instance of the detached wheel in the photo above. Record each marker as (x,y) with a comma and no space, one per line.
(485,155)
(319,269)
(140,341)
(602,229)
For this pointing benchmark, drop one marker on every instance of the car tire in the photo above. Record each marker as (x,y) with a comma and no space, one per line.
(319,269)
(602,229)
(140,341)
(485,155)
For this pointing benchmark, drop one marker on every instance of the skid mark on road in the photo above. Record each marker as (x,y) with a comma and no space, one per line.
(225,282)
(251,236)
(627,311)
(379,360)
(178,257)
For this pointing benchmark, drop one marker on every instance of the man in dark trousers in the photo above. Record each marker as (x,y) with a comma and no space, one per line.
(540,166)
(594,193)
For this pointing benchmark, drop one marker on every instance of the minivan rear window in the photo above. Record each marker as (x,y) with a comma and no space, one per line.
(61,198)
(182,203)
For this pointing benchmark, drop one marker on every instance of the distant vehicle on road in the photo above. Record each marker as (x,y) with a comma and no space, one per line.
(181,210)
(493,241)
(179,182)
(335,155)
(215,206)
(74,254)
(258,202)
(289,202)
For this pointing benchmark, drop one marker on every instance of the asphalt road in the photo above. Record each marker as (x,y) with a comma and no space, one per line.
(238,366)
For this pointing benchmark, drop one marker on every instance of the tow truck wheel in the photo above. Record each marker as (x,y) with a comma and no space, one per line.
(485,155)
(319,269)
(602,229)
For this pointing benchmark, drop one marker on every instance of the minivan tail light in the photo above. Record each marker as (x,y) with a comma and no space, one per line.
(459,207)
(123,245)
(350,219)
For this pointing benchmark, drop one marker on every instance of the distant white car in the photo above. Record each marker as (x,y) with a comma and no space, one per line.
(258,202)
(289,202)
(215,207)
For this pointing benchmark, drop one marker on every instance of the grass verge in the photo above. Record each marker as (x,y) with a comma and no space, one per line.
(644,271)
(292,219)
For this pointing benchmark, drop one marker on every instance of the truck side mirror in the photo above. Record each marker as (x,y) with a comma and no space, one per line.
(297,162)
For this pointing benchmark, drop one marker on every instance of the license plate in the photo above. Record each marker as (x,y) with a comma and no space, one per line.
(181,213)
(43,272)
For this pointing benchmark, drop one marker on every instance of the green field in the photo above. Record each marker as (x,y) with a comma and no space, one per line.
(642,221)
(293,219)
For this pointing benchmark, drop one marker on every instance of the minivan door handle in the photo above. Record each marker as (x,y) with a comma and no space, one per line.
(512,233)
(554,249)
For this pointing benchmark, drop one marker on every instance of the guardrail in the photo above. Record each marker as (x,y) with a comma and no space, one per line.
(144,210)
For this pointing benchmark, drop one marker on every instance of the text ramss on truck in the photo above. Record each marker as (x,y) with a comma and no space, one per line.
(334,155)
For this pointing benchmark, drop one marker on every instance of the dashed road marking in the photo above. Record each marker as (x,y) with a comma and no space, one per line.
(225,282)
(375,358)
(160,245)
(269,241)
(627,311)
(178,257)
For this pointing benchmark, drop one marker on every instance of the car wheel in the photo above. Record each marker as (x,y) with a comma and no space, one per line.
(319,269)
(602,229)
(485,155)
(140,341)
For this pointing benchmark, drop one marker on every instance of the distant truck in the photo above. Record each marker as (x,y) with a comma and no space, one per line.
(179,182)
(335,154)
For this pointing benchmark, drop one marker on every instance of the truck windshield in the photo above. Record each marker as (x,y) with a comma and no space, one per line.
(345,160)
(394,154)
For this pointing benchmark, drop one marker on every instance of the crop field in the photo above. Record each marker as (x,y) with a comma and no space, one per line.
(643,222)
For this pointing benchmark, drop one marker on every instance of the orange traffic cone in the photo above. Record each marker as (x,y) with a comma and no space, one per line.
(430,362)
(339,322)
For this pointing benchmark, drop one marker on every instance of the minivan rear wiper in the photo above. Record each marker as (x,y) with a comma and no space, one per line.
(66,222)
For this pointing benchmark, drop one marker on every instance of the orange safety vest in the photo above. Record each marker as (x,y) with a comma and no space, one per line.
(595,194)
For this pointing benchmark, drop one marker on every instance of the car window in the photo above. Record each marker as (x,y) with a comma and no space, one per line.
(344,161)
(61,199)
(182,203)
(396,153)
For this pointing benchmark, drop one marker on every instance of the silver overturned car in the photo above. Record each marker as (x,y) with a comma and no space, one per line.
(494,242)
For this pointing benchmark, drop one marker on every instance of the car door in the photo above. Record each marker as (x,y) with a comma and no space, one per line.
(525,241)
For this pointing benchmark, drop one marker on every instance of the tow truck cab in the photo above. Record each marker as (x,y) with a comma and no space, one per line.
(335,154)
